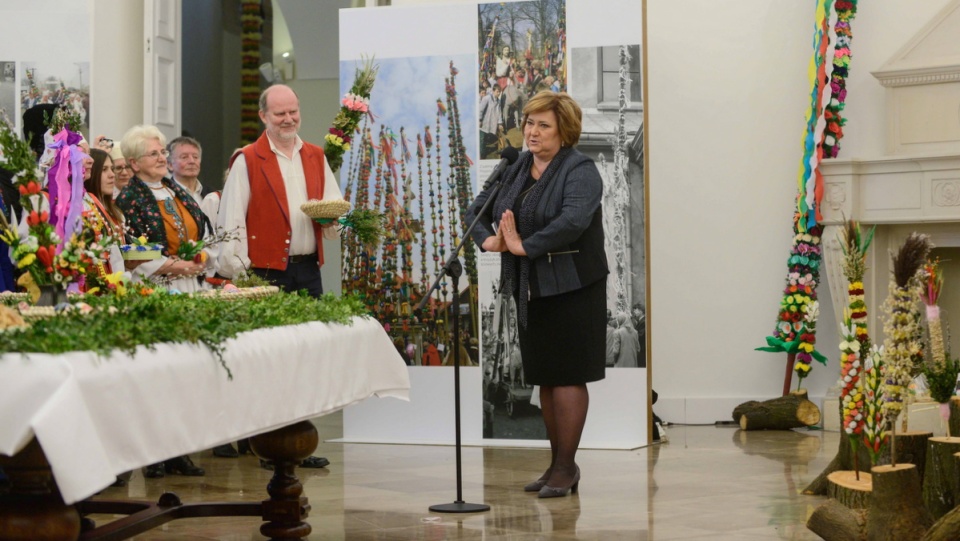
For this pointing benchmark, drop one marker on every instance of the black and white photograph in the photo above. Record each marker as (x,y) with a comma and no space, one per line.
(606,83)
(8,92)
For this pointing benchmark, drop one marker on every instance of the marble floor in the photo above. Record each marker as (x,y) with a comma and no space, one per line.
(706,482)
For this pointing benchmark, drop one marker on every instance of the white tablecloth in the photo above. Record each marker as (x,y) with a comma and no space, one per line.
(97,417)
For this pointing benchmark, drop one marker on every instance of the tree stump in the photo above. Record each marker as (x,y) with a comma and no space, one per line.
(948,527)
(911,449)
(834,521)
(791,411)
(844,487)
(896,511)
(954,423)
(939,483)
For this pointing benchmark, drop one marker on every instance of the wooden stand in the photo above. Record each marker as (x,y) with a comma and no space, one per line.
(939,484)
(911,449)
(33,510)
(954,423)
(844,487)
(791,411)
(834,521)
(896,511)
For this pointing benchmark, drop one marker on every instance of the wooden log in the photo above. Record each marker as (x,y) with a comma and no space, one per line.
(948,527)
(791,411)
(834,521)
(954,423)
(844,487)
(940,481)
(911,449)
(896,511)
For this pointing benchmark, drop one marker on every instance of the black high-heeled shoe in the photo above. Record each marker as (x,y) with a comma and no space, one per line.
(557,492)
(184,466)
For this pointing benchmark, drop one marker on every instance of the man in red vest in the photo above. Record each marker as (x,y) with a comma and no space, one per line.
(262,197)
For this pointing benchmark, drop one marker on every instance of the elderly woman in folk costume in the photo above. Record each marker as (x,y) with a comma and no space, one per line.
(157,208)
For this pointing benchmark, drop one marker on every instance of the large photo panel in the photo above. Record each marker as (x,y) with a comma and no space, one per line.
(446,103)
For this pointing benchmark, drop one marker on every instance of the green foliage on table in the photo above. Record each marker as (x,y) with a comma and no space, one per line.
(249,279)
(942,380)
(124,324)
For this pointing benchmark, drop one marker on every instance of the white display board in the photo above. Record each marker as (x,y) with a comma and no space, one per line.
(425,53)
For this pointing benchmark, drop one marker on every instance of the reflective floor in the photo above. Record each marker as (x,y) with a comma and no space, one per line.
(705,483)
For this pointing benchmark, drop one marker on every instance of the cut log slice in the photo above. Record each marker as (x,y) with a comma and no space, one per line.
(844,487)
(911,449)
(940,481)
(948,527)
(834,521)
(896,511)
(791,411)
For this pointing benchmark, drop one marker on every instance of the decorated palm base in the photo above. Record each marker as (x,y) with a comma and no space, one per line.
(911,448)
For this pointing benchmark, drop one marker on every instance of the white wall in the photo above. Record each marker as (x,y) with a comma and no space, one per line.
(116,100)
(727,98)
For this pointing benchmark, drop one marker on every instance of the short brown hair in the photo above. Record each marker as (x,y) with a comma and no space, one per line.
(569,114)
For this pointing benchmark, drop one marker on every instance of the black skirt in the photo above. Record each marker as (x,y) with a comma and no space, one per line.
(564,342)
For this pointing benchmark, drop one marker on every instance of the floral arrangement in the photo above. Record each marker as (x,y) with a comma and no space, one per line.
(941,372)
(192,250)
(833,131)
(854,246)
(901,325)
(250,22)
(51,251)
(795,333)
(354,105)
(874,433)
(932,284)
(810,192)
(851,397)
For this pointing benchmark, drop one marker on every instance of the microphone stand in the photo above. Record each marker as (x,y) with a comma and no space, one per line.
(454,269)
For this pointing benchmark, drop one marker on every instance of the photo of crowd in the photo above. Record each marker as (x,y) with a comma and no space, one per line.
(67,84)
(522,50)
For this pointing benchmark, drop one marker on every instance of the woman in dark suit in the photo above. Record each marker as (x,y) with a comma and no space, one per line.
(546,222)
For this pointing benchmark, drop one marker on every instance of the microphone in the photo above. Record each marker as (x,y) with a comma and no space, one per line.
(508,157)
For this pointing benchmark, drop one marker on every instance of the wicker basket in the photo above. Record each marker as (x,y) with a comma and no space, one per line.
(326,210)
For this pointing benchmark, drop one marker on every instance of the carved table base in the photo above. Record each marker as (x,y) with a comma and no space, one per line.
(31,509)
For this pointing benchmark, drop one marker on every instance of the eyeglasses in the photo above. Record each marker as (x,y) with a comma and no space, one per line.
(157,153)
(119,168)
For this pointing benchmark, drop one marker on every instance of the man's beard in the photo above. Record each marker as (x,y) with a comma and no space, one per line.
(286,135)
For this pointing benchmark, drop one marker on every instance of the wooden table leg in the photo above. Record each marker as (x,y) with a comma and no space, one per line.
(32,508)
(287,507)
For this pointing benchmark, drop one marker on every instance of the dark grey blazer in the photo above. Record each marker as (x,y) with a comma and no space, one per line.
(567,247)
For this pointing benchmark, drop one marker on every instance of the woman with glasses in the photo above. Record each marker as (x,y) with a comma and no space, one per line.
(121,168)
(157,208)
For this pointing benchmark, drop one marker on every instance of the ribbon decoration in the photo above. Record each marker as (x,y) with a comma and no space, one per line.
(65,185)
(810,181)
